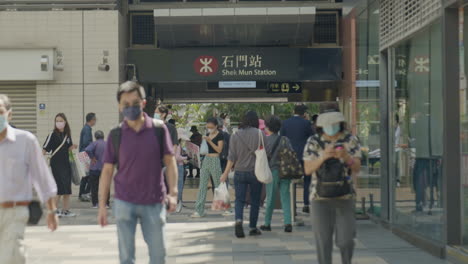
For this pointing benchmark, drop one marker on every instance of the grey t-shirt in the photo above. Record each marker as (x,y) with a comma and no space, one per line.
(242,148)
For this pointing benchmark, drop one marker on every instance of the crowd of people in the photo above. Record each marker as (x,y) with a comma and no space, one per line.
(326,153)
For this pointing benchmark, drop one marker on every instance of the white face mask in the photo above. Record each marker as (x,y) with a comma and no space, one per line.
(210,130)
(60,125)
(3,122)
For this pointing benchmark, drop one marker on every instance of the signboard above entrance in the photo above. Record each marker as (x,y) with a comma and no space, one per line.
(237,64)
(285,87)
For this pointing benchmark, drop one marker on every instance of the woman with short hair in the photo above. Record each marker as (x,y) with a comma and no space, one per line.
(274,145)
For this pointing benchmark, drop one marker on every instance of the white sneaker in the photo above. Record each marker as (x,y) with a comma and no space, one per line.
(68,213)
(196,215)
(228,213)
(179,207)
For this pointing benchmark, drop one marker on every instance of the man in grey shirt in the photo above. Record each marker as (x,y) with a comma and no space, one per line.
(242,158)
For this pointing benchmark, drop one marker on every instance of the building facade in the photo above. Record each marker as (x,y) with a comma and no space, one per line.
(49,59)
(417,53)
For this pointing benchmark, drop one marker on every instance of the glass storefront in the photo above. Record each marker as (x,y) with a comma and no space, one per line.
(417,134)
(463,33)
(368,115)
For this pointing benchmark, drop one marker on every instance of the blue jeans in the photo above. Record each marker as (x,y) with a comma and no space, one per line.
(242,179)
(152,220)
(181,181)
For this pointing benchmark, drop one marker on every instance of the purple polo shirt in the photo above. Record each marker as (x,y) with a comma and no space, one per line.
(139,179)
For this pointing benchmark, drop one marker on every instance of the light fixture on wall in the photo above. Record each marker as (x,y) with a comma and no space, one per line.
(104,66)
(44,63)
(59,65)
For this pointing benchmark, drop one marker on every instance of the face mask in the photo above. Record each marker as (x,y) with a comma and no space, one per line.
(210,130)
(132,112)
(332,130)
(157,116)
(60,125)
(3,122)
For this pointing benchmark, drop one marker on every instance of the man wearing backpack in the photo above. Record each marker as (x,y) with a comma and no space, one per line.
(140,192)
(333,157)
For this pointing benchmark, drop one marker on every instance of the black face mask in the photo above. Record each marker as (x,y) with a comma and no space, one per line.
(132,112)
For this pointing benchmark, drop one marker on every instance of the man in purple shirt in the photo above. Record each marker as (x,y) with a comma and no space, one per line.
(140,192)
(96,153)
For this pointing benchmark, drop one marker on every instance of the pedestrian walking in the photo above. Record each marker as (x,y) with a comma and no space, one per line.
(22,168)
(59,143)
(161,113)
(196,138)
(86,138)
(211,165)
(274,145)
(96,153)
(181,160)
(297,129)
(139,147)
(333,157)
(241,157)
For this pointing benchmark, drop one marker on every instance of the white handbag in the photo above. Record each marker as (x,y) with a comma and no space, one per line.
(262,168)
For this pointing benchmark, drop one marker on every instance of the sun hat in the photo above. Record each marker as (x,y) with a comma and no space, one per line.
(330,118)
(261,124)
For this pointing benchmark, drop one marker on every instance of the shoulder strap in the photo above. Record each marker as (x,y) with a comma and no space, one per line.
(116,136)
(59,147)
(159,131)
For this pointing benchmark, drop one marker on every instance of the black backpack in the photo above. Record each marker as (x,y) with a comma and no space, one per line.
(116,137)
(333,177)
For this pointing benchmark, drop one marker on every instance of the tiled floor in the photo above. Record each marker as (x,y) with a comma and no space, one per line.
(210,240)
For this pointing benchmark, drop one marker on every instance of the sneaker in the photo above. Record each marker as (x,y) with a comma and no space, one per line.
(95,207)
(239,230)
(68,213)
(265,228)
(179,207)
(288,228)
(196,215)
(107,206)
(58,213)
(306,209)
(255,232)
(228,213)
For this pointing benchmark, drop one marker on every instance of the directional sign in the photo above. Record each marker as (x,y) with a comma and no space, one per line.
(285,87)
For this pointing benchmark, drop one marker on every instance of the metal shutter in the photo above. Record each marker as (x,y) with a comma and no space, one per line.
(400,19)
(23,99)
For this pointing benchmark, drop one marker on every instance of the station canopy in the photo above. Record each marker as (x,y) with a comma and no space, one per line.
(241,26)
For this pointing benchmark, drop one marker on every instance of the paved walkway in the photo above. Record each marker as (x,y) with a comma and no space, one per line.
(210,240)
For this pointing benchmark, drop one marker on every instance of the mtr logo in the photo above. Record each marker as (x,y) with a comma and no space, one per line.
(206,65)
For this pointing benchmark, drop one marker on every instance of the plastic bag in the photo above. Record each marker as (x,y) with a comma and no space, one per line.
(85,161)
(77,169)
(204,148)
(221,200)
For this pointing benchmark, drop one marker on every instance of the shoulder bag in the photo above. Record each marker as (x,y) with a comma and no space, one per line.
(49,156)
(262,168)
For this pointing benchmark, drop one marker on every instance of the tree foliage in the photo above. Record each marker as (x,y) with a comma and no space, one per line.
(189,114)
